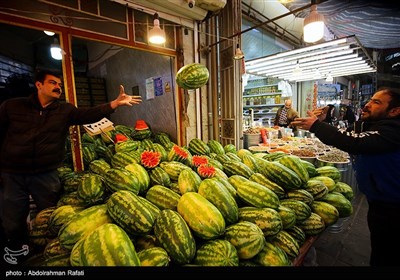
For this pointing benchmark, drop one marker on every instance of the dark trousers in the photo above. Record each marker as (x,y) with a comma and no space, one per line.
(384,224)
(15,189)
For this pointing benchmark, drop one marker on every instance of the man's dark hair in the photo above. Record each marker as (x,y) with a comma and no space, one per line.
(41,75)
(394,93)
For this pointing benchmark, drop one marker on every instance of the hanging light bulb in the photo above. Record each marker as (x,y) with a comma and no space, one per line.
(317,74)
(238,53)
(156,34)
(314,26)
(329,78)
(297,69)
(55,50)
(49,33)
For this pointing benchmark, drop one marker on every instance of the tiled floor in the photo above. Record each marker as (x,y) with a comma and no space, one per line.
(346,243)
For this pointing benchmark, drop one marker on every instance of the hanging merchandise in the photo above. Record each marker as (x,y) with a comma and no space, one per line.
(285,88)
(315,95)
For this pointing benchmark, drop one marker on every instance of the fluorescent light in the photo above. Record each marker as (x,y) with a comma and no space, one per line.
(336,55)
(297,51)
(156,34)
(338,61)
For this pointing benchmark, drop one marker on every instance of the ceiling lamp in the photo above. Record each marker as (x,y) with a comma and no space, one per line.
(314,26)
(317,74)
(297,69)
(329,78)
(49,33)
(55,50)
(238,53)
(156,34)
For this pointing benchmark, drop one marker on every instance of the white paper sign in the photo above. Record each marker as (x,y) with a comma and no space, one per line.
(149,88)
(96,128)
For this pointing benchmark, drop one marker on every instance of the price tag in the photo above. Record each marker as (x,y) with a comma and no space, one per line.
(99,127)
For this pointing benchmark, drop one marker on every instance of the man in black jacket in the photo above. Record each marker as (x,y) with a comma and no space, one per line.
(374,144)
(33,132)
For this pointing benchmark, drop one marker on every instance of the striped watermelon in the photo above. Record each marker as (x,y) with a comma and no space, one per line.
(155,256)
(174,235)
(272,255)
(201,215)
(254,194)
(192,76)
(188,181)
(99,166)
(108,245)
(121,179)
(220,197)
(163,197)
(288,216)
(141,174)
(62,215)
(82,224)
(121,159)
(247,238)
(91,189)
(54,248)
(267,219)
(159,176)
(326,211)
(313,225)
(129,212)
(217,252)
(287,243)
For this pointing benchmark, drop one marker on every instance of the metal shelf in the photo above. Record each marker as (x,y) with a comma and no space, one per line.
(262,105)
(262,94)
(260,86)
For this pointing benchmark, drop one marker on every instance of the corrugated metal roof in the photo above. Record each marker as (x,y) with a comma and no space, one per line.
(375,23)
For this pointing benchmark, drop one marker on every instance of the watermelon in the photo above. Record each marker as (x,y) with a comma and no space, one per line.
(267,219)
(272,255)
(129,212)
(220,197)
(174,235)
(155,256)
(326,211)
(82,224)
(108,245)
(188,181)
(202,217)
(163,197)
(91,189)
(192,76)
(247,238)
(287,243)
(217,252)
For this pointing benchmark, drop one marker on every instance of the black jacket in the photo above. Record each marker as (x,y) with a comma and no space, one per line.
(375,151)
(33,138)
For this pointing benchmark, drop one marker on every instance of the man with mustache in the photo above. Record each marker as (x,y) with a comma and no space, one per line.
(374,145)
(33,133)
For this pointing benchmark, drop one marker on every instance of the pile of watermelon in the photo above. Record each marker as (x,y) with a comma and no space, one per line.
(151,202)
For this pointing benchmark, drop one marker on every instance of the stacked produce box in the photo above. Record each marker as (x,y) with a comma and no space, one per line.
(145,201)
